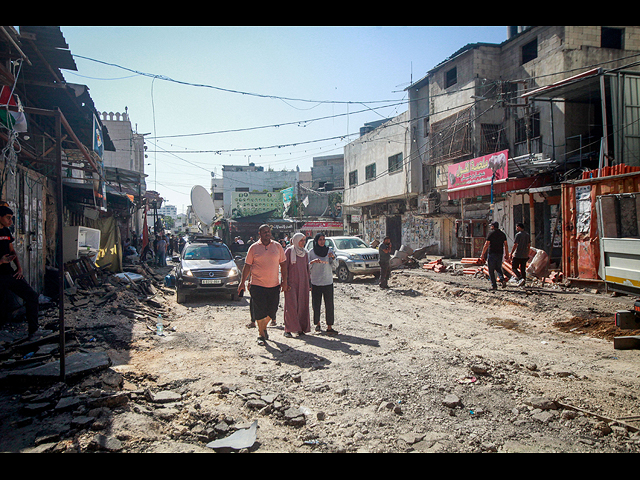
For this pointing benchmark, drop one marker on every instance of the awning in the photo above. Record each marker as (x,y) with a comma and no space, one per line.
(499,187)
(568,85)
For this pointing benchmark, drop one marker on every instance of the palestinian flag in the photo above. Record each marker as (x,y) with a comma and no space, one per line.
(12,120)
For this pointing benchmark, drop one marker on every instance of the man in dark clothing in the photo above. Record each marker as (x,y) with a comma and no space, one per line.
(11,279)
(385,262)
(520,253)
(497,247)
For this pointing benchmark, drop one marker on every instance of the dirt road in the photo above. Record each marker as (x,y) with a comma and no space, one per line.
(438,363)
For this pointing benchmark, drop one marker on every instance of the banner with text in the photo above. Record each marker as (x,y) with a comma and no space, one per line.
(478,171)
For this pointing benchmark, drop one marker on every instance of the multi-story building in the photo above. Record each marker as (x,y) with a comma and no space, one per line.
(553,100)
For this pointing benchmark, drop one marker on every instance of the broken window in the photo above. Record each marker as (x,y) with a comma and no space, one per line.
(530,51)
(612,37)
(493,138)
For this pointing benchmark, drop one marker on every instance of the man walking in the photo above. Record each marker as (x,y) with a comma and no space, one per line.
(385,262)
(11,279)
(497,247)
(266,263)
(520,253)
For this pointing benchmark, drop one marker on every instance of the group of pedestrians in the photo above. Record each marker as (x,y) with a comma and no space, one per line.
(496,248)
(271,269)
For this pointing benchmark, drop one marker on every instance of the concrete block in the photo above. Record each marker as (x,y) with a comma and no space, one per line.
(626,343)
(627,320)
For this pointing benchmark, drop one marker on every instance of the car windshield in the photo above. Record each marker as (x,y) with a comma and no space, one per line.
(207,252)
(349,243)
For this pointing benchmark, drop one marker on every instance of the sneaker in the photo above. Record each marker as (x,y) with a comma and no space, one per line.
(318,328)
(503,282)
(521,282)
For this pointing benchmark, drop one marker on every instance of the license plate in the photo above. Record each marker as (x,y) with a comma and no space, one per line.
(216,281)
(372,265)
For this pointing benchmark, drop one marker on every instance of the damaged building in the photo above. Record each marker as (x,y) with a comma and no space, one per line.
(491,134)
(53,173)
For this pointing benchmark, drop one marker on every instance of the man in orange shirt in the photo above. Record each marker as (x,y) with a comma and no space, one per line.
(267,266)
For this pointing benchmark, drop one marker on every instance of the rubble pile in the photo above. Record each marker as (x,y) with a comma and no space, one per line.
(96,303)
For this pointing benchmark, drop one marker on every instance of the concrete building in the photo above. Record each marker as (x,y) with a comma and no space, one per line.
(168,211)
(241,183)
(539,96)
(329,170)
(383,180)
(124,167)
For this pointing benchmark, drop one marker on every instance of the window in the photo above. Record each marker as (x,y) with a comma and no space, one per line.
(530,51)
(395,163)
(492,138)
(242,189)
(218,196)
(370,172)
(353,177)
(612,37)
(521,128)
(451,77)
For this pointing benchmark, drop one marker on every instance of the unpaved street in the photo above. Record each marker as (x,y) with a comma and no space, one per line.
(438,363)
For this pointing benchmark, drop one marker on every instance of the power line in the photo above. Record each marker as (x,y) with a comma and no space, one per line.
(228,90)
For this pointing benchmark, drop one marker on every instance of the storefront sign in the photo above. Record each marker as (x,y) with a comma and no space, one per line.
(478,171)
(323,226)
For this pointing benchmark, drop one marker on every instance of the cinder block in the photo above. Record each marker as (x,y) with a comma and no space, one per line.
(626,343)
(627,320)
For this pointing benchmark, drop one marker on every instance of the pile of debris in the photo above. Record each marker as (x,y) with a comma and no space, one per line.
(537,266)
(91,294)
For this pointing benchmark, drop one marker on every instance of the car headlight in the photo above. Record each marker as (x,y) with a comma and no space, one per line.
(234,272)
(187,273)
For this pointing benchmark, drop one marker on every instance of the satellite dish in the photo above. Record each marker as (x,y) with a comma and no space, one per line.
(203,205)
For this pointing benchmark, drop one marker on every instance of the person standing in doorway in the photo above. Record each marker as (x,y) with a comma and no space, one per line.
(385,250)
(13,280)
(520,253)
(296,296)
(267,266)
(321,259)
(496,246)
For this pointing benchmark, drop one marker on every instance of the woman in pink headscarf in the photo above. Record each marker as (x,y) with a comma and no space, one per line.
(296,297)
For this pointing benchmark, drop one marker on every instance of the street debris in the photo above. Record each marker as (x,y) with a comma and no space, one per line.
(137,294)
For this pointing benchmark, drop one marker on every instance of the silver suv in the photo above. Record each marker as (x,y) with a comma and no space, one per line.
(354,257)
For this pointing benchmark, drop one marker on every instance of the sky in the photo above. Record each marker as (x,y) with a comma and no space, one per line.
(205,97)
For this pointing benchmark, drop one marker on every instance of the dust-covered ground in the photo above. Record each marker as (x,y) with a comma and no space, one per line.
(437,363)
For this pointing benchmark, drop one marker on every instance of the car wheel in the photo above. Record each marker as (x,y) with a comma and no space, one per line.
(344,275)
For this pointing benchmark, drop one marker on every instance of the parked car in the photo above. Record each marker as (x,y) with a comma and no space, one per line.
(206,265)
(354,257)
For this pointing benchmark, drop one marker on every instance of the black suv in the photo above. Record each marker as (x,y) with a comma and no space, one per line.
(206,266)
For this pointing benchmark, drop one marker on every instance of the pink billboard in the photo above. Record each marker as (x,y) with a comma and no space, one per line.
(478,171)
